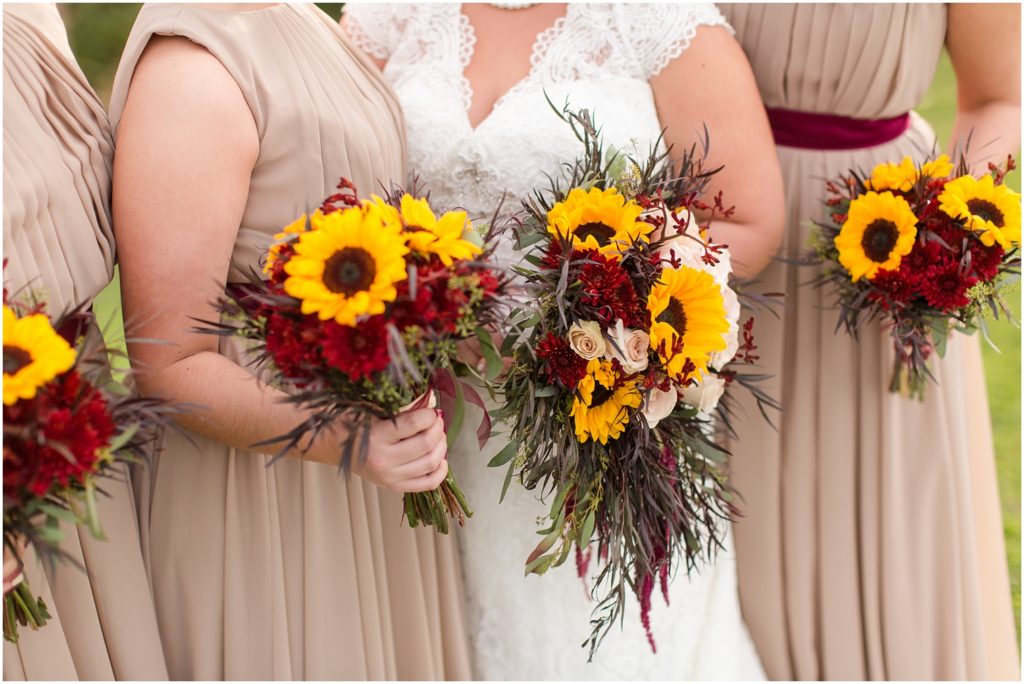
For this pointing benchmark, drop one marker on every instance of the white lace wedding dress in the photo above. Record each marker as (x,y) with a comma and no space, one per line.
(599,57)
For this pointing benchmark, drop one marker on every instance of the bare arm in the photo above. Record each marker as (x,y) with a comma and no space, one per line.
(186,147)
(712,83)
(984,46)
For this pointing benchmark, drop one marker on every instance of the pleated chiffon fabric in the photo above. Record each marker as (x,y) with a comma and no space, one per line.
(59,245)
(871,546)
(291,571)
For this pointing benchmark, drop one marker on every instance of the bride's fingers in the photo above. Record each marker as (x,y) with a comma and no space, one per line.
(427,482)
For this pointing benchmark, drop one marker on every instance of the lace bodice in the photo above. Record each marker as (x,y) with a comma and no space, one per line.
(596,56)
(599,57)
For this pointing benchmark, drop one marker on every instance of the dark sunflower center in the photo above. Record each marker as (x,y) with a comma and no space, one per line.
(879,239)
(674,315)
(600,395)
(349,270)
(15,358)
(602,233)
(987,211)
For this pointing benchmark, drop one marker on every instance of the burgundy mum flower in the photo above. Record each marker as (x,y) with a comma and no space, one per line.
(562,363)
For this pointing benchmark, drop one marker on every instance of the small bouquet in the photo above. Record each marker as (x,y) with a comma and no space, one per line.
(67,424)
(618,369)
(359,318)
(922,249)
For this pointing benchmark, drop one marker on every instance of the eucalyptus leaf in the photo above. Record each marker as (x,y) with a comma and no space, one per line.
(508,480)
(92,517)
(122,438)
(587,530)
(505,455)
(490,353)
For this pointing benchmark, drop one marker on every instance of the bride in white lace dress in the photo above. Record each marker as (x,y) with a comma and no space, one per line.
(472,81)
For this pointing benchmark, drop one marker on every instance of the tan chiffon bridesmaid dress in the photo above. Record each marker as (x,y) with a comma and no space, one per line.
(58,241)
(291,571)
(871,546)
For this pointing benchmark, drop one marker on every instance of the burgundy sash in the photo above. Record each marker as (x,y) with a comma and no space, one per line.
(811,131)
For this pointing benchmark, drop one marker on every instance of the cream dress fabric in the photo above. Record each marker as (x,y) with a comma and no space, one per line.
(871,545)
(291,571)
(58,242)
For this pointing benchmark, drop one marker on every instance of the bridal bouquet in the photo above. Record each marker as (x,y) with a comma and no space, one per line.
(922,249)
(66,425)
(360,316)
(618,369)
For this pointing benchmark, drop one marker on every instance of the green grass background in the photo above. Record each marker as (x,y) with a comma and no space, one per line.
(98,32)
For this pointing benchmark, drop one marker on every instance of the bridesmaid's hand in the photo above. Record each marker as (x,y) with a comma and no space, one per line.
(408,454)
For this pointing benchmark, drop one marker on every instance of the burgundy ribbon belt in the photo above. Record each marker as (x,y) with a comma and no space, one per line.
(812,131)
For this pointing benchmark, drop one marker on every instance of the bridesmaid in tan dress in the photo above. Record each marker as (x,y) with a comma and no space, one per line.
(58,241)
(871,546)
(229,122)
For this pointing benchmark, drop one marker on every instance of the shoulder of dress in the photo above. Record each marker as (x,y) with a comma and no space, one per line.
(379,28)
(657,33)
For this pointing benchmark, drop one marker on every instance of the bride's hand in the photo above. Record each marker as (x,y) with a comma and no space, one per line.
(408,454)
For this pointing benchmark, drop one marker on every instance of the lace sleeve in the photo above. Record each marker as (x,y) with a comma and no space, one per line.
(658,33)
(374,28)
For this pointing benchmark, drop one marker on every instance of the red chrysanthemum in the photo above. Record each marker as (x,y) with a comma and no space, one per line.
(946,288)
(553,257)
(293,342)
(561,362)
(65,425)
(439,304)
(358,351)
(985,261)
(608,292)
(893,287)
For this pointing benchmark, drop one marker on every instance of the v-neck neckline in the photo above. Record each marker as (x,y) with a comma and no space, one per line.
(467,46)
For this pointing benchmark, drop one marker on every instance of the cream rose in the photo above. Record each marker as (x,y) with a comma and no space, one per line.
(705,395)
(586,340)
(630,347)
(659,405)
(689,249)
(732,338)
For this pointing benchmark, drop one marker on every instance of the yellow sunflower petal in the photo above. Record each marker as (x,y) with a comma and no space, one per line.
(34,354)
(938,168)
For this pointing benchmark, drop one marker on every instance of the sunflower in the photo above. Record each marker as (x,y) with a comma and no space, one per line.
(904,175)
(598,219)
(600,407)
(879,231)
(294,228)
(986,208)
(686,305)
(889,176)
(941,167)
(347,264)
(34,354)
(443,236)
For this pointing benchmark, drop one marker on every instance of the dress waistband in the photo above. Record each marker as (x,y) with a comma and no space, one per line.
(812,131)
